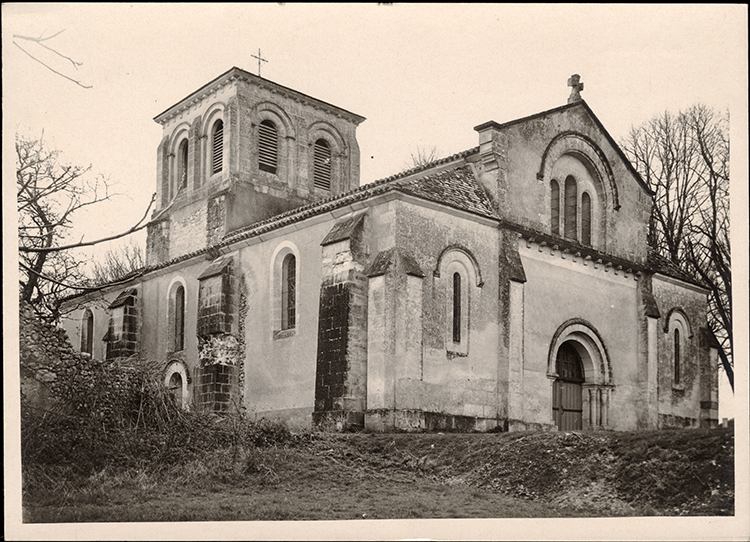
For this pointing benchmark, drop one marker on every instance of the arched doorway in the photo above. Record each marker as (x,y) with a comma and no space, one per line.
(567,396)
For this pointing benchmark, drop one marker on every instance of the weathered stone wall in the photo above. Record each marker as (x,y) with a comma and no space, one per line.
(421,371)
(679,403)
(157,242)
(216,219)
(46,357)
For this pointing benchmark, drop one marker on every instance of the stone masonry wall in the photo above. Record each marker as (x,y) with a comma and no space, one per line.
(46,358)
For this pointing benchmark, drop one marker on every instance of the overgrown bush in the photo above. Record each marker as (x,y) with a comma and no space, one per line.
(118,414)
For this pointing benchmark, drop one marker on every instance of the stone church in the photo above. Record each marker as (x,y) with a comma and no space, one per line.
(506,287)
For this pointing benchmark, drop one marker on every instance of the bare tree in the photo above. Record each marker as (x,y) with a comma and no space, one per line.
(118,263)
(49,193)
(684,158)
(421,157)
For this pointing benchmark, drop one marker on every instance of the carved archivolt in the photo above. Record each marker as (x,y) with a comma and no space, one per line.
(582,147)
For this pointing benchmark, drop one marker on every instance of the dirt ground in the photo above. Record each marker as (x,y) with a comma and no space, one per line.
(398,476)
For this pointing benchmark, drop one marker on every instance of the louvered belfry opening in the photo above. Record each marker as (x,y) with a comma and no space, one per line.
(322,174)
(268,146)
(217,141)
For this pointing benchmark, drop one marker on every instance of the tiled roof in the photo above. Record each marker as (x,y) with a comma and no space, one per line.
(660,264)
(455,187)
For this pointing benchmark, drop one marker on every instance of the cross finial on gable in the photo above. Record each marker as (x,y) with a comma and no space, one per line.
(260,59)
(575,82)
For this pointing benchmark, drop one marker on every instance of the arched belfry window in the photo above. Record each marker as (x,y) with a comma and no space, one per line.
(182,164)
(456,308)
(555,207)
(217,146)
(322,164)
(288,292)
(87,332)
(268,146)
(571,207)
(586,219)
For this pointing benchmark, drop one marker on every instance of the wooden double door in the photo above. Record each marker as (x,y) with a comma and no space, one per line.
(567,392)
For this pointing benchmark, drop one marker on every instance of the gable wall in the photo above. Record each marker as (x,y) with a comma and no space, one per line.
(528,198)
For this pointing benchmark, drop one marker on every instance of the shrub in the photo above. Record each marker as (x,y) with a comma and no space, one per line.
(118,413)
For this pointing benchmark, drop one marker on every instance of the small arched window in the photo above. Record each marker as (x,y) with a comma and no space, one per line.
(288,292)
(322,166)
(555,207)
(586,219)
(571,207)
(175,388)
(182,164)
(217,146)
(87,332)
(179,319)
(456,308)
(677,354)
(268,146)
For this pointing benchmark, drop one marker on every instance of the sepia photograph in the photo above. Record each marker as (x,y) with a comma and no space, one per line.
(375,271)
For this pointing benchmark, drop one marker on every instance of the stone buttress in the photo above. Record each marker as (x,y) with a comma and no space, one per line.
(341,365)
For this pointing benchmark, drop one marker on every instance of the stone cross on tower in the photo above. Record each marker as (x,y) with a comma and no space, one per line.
(575,83)
(260,59)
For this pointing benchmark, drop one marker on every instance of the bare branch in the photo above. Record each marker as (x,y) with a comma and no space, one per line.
(139,226)
(52,69)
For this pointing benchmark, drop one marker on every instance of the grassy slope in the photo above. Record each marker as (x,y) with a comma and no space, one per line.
(327,477)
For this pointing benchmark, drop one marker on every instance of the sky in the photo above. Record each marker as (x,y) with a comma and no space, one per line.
(423,75)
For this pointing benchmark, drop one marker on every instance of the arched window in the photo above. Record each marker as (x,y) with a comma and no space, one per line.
(268,146)
(586,219)
(459,281)
(677,354)
(179,319)
(456,308)
(322,159)
(87,332)
(175,388)
(217,146)
(182,164)
(555,207)
(571,207)
(288,292)
(177,380)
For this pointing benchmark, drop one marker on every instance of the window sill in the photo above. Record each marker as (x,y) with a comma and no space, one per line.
(452,354)
(680,388)
(284,333)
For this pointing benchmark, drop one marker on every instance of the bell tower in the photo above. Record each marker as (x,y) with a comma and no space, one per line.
(242,149)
